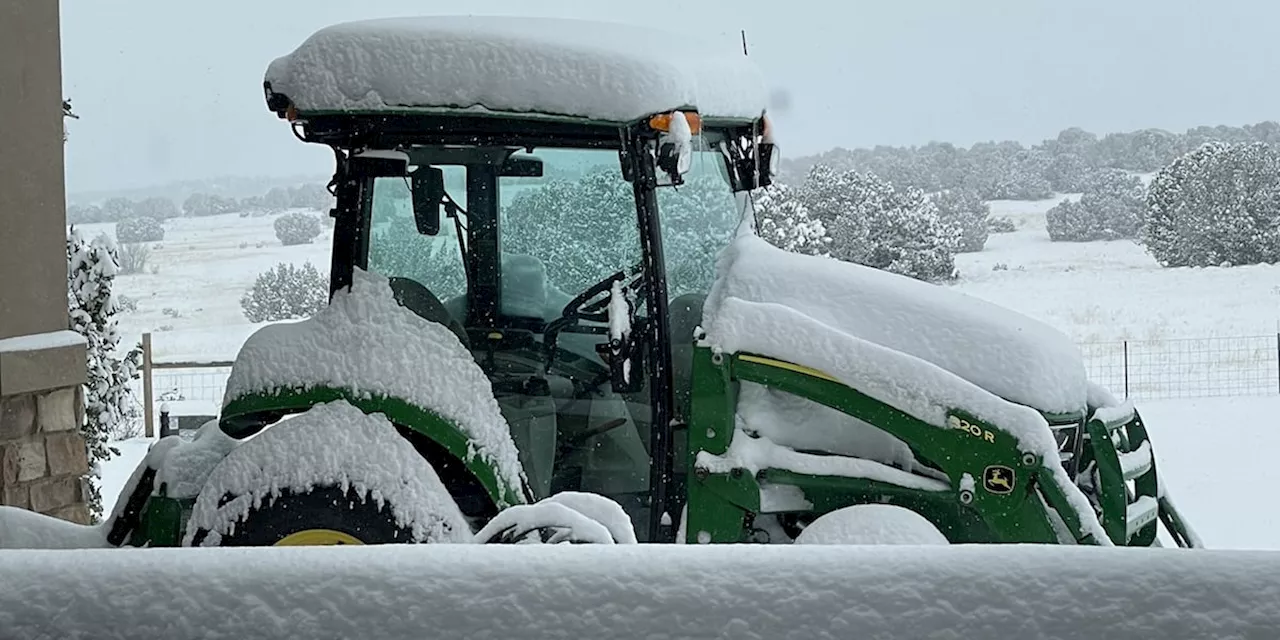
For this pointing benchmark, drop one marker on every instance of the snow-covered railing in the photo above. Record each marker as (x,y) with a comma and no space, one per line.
(608,591)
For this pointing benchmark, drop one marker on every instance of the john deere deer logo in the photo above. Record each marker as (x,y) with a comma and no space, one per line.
(998,479)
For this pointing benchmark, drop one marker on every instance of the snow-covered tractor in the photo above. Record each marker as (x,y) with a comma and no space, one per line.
(473,380)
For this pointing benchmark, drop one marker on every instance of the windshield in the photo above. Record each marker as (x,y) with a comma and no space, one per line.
(551,238)
(698,219)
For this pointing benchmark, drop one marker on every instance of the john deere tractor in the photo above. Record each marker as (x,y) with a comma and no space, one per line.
(551,320)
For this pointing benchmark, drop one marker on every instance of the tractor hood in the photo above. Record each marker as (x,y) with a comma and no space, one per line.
(1006,353)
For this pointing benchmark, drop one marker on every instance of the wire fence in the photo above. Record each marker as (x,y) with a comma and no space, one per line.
(1141,369)
(1186,367)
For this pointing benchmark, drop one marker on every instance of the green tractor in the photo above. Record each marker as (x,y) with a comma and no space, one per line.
(551,320)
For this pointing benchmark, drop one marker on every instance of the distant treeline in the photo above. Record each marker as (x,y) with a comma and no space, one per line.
(307,196)
(1011,171)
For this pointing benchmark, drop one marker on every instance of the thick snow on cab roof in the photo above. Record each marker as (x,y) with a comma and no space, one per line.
(573,68)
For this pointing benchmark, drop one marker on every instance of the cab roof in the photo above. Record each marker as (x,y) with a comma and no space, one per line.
(563,69)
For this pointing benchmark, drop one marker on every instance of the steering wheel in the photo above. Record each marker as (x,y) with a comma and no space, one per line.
(585,306)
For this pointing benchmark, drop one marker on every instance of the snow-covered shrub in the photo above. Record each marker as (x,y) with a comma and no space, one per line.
(1219,204)
(963,208)
(873,224)
(1109,209)
(1002,224)
(133,257)
(785,222)
(297,228)
(109,406)
(284,292)
(142,229)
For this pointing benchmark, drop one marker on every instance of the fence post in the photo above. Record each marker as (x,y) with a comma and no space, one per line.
(1126,369)
(166,426)
(147,409)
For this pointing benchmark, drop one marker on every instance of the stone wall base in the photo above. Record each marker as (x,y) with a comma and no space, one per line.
(43,461)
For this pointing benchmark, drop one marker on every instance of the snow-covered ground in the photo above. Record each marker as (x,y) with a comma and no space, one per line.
(625,591)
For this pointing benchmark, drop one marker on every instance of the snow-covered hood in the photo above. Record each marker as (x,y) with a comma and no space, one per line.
(1010,355)
(574,68)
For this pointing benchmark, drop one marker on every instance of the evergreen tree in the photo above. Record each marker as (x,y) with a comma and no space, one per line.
(964,209)
(1109,209)
(108,399)
(786,222)
(1217,205)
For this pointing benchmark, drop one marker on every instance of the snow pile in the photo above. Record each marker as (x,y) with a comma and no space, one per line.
(365,342)
(184,466)
(798,423)
(754,454)
(610,591)
(837,317)
(332,444)
(22,529)
(1006,353)
(871,524)
(601,71)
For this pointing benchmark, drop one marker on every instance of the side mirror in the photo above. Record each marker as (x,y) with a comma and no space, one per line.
(674,159)
(427,187)
(521,167)
(746,176)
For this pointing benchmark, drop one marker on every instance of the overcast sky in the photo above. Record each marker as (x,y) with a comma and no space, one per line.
(172,90)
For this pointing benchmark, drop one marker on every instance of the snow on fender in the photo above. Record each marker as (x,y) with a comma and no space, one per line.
(871,524)
(333,444)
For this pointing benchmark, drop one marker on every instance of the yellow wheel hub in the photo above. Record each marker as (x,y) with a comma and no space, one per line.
(316,538)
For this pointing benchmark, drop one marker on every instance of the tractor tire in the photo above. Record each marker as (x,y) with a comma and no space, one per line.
(322,516)
(872,524)
(330,475)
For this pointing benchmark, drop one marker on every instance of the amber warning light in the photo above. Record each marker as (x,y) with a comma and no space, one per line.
(662,122)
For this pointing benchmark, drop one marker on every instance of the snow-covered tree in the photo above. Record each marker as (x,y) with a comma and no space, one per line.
(284,292)
(398,250)
(873,224)
(1109,209)
(108,400)
(582,230)
(1219,204)
(157,207)
(698,220)
(963,208)
(785,222)
(139,230)
(297,228)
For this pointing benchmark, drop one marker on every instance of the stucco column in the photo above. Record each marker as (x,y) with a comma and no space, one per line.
(42,364)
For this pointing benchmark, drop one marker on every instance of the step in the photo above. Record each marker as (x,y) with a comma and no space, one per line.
(1141,513)
(1136,463)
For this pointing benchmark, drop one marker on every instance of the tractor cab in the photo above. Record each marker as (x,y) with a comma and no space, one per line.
(568,251)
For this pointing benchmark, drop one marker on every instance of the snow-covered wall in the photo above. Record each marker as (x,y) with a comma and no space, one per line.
(816,592)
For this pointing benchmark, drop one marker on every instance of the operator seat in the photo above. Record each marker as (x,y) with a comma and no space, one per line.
(415,297)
